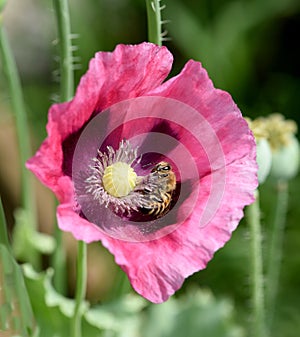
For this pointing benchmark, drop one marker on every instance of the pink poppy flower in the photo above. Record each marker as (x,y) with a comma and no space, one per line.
(165,222)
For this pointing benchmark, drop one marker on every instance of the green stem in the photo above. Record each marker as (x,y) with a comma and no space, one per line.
(66,58)
(3,229)
(154,21)
(18,106)
(59,262)
(80,289)
(121,285)
(275,249)
(66,93)
(256,271)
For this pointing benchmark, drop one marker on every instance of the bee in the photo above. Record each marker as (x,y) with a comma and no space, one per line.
(158,192)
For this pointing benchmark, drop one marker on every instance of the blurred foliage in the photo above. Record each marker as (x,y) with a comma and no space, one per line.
(52,311)
(121,317)
(16,316)
(131,315)
(27,241)
(227,273)
(196,313)
(251,49)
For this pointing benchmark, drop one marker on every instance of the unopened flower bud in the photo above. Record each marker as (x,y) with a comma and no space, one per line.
(284,145)
(263,149)
(263,158)
(285,160)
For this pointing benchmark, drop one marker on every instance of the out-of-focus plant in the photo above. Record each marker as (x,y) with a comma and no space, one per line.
(229,37)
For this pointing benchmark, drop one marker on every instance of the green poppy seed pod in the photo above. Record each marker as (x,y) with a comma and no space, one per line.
(263,158)
(285,160)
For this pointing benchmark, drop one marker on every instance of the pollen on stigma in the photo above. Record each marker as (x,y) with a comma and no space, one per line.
(119,179)
(112,180)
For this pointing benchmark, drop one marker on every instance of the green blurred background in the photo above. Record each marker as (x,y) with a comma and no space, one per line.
(249,47)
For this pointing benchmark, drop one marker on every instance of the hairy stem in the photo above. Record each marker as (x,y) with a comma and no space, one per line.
(64,36)
(154,21)
(256,271)
(58,262)
(66,93)
(275,249)
(81,280)
(18,106)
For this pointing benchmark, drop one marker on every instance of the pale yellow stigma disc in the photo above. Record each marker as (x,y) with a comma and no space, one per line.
(119,179)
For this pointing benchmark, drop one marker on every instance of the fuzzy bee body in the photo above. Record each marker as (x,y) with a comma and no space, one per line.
(158,192)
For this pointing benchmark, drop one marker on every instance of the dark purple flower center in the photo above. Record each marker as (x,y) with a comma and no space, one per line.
(113,182)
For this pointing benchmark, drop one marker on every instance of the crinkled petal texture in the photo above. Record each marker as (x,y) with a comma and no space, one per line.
(156,268)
